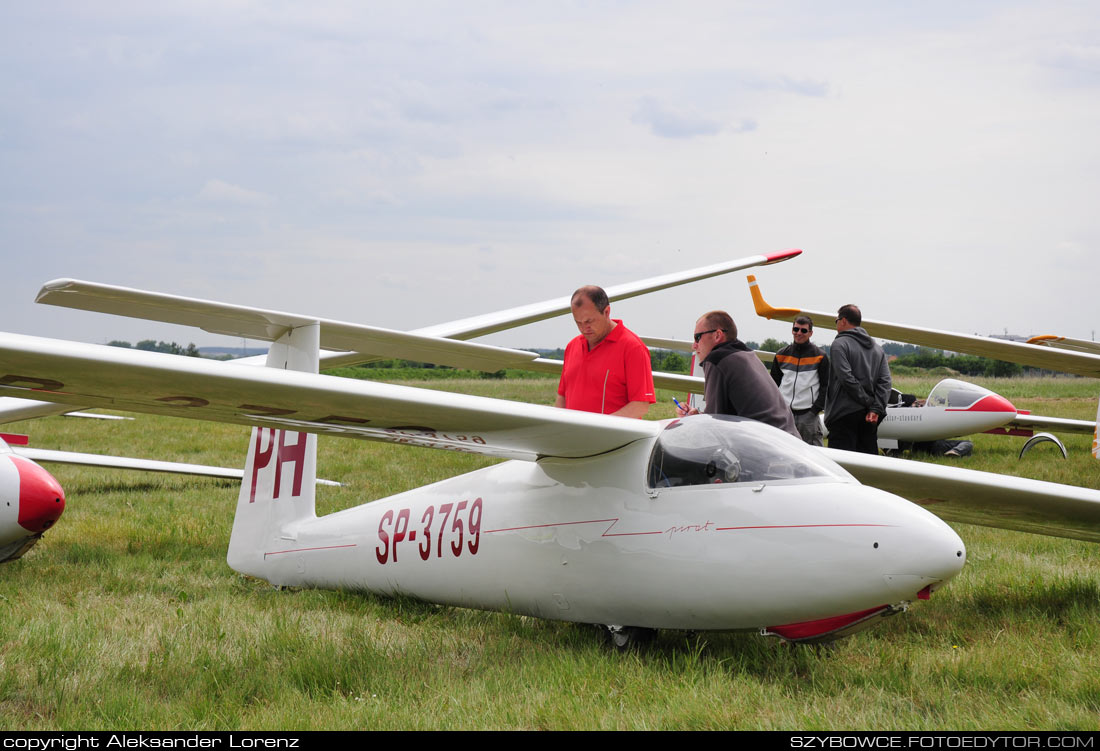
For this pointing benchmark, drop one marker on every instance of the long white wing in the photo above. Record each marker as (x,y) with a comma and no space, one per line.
(131,380)
(69,372)
(1077,361)
(269,325)
(366,343)
(361,343)
(1053,424)
(49,456)
(14,409)
(682,345)
(982,498)
(1065,342)
(123,462)
(468,328)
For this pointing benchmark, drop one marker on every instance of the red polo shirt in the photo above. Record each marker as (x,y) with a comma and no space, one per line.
(608,377)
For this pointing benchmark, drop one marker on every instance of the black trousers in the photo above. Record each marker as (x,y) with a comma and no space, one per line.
(853,433)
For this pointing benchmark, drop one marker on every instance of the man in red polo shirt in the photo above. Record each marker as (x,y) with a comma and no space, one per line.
(607,367)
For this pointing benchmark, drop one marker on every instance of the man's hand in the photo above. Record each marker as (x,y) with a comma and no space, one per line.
(872,417)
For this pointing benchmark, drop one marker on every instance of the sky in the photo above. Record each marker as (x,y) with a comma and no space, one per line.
(402,164)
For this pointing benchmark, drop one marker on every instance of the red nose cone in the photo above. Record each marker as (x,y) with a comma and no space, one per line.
(992,403)
(41,499)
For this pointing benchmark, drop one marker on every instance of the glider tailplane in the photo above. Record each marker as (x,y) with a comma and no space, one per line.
(280,474)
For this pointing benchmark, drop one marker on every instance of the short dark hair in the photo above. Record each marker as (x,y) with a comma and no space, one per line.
(720,319)
(805,321)
(593,294)
(851,314)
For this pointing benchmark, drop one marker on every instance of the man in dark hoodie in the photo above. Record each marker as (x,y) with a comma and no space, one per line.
(859,386)
(736,381)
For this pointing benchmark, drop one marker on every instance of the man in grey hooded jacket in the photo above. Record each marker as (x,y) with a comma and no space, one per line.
(859,385)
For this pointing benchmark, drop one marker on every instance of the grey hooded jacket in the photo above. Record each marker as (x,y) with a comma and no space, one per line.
(860,377)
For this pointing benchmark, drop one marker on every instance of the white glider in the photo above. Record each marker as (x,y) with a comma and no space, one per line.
(369,343)
(1075,356)
(687,524)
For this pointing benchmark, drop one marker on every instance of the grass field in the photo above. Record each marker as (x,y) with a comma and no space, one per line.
(126,616)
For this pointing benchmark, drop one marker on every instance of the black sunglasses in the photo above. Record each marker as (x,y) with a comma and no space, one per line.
(701,334)
(800,330)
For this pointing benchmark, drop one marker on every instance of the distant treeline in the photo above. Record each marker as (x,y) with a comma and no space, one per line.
(914,356)
(970,365)
(662,359)
(666,361)
(151,345)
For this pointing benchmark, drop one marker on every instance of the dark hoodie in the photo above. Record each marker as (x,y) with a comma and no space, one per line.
(860,377)
(738,384)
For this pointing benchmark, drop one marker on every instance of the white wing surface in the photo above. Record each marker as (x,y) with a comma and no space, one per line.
(983,498)
(269,325)
(50,456)
(365,343)
(682,345)
(69,372)
(14,409)
(1053,424)
(122,462)
(1065,342)
(468,328)
(1077,361)
(137,381)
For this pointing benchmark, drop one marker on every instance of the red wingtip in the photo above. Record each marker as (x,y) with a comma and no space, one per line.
(15,439)
(782,255)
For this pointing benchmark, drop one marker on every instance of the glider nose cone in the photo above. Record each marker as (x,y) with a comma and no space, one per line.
(41,499)
(935,557)
(993,403)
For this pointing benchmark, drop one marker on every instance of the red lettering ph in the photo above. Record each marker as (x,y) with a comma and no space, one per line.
(261,458)
(296,454)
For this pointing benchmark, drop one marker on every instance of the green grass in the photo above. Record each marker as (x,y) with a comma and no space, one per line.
(126,616)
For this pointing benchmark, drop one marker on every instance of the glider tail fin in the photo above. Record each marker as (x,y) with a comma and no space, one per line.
(277,491)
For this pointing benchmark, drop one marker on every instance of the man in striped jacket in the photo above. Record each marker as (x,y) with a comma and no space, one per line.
(801,370)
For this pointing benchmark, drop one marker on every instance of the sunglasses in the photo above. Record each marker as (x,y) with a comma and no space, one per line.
(800,330)
(701,334)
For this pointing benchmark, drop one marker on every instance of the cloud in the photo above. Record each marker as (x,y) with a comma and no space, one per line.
(219,191)
(667,123)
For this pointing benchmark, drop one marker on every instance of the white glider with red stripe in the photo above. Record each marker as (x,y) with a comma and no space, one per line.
(1076,356)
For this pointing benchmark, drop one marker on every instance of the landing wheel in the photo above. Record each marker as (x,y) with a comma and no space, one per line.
(624,638)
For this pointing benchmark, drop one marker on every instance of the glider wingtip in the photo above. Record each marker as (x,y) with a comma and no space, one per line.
(1043,339)
(782,255)
(54,285)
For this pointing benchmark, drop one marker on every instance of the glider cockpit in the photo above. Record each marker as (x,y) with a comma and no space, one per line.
(710,449)
(954,394)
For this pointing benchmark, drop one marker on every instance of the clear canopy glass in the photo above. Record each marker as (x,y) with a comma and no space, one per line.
(955,394)
(709,449)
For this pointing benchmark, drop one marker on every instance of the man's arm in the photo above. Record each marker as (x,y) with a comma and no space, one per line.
(883,384)
(823,382)
(639,382)
(630,409)
(559,401)
(777,372)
